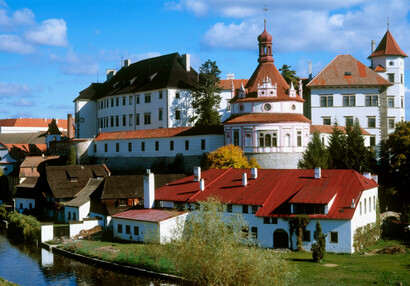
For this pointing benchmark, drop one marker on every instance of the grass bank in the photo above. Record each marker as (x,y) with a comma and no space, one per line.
(354,269)
(4,282)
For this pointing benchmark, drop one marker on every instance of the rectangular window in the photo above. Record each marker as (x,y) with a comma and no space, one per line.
(160,95)
(371,122)
(117,147)
(105,147)
(95,148)
(112,121)
(236,137)
(327,121)
(177,114)
(326,100)
(119,228)
(147,98)
(117,101)
(112,102)
(391,123)
(137,98)
(156,145)
(390,77)
(68,216)
(245,209)
(360,206)
(266,220)
(371,100)
(254,232)
(130,100)
(160,114)
(402,102)
(129,147)
(136,230)
(74,216)
(229,208)
(124,100)
(365,206)
(177,95)
(349,100)
(334,237)
(274,220)
(171,145)
(254,209)
(122,202)
(124,120)
(374,203)
(130,119)
(390,101)
(349,121)
(372,141)
(186,144)
(274,140)
(142,146)
(127,229)
(137,119)
(261,140)
(401,78)
(202,144)
(147,118)
(299,138)
(306,235)
(117,121)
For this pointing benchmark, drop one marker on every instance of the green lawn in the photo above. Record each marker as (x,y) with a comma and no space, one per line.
(353,269)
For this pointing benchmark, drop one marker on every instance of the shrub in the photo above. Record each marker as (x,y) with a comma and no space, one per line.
(319,247)
(298,224)
(367,235)
(3,213)
(24,228)
(213,250)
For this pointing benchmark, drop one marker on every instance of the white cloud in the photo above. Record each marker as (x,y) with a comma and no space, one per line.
(14,89)
(14,44)
(52,32)
(173,6)
(199,8)
(20,18)
(23,102)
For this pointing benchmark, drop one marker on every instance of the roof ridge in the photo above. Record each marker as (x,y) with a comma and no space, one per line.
(323,69)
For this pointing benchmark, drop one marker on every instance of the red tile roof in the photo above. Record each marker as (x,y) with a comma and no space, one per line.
(28,147)
(273,190)
(345,70)
(266,118)
(388,47)
(329,129)
(150,215)
(379,68)
(160,133)
(226,83)
(32,122)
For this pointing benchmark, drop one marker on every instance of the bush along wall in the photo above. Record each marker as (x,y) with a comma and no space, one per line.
(367,235)
(23,228)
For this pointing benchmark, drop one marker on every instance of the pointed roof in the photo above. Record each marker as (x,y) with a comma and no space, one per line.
(345,70)
(387,47)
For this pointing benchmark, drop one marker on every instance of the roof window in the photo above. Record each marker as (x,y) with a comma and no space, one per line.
(348,73)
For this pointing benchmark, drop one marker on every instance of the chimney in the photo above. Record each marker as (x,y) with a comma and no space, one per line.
(318,173)
(186,62)
(254,172)
(310,71)
(202,185)
(375,178)
(149,190)
(352,205)
(244,180)
(197,174)
(70,129)
(127,63)
(230,76)
(373,44)
(367,175)
(110,74)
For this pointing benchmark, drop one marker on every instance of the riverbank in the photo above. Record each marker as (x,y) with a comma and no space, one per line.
(4,282)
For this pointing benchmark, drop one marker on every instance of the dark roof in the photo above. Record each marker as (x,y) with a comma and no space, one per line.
(22,138)
(388,47)
(32,166)
(150,74)
(67,181)
(345,70)
(131,186)
(27,189)
(161,133)
(84,196)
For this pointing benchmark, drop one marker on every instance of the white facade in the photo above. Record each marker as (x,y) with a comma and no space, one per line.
(85,118)
(145,231)
(72,213)
(6,161)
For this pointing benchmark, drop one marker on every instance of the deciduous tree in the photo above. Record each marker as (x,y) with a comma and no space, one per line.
(229,156)
(206,96)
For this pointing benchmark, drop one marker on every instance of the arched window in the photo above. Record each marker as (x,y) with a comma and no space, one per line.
(267,140)
(248,140)
(287,140)
(261,140)
(274,140)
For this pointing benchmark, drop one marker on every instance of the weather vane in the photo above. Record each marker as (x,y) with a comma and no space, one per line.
(266,10)
(388,23)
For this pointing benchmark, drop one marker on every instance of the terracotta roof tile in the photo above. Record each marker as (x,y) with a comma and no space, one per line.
(329,129)
(32,122)
(379,68)
(345,70)
(225,84)
(266,118)
(388,47)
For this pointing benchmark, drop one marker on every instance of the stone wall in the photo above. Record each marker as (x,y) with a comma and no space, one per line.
(276,160)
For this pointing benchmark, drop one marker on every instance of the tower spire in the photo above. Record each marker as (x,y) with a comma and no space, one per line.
(266,10)
(388,23)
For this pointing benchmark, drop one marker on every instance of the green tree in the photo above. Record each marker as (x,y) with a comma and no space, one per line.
(319,247)
(337,148)
(298,224)
(229,156)
(316,154)
(72,157)
(289,75)
(206,96)
(213,250)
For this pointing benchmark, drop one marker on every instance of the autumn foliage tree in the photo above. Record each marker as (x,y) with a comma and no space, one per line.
(229,156)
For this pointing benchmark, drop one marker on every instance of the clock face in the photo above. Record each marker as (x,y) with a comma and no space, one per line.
(267,107)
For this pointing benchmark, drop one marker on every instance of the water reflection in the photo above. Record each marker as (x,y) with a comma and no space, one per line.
(31,265)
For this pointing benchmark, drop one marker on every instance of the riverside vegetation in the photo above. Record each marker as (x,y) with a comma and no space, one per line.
(21,227)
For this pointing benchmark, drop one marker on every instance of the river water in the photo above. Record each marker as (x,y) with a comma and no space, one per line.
(32,265)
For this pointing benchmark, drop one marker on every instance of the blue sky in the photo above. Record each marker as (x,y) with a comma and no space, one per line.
(50,50)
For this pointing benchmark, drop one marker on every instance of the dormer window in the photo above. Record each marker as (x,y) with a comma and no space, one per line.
(348,73)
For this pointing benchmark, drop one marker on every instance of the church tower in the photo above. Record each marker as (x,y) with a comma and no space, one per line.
(388,61)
